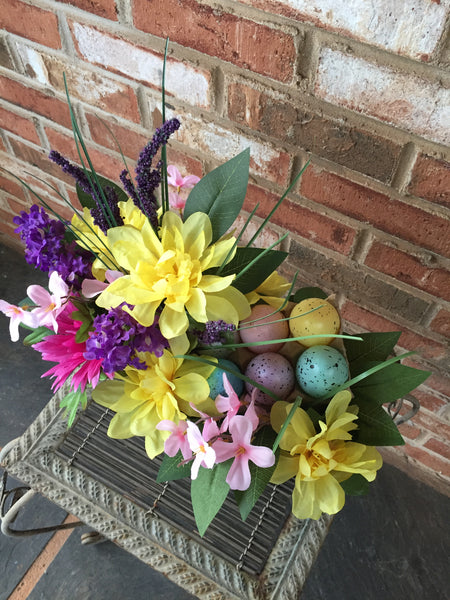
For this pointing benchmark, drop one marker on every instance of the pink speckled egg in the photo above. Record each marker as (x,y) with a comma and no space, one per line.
(274,372)
(265,327)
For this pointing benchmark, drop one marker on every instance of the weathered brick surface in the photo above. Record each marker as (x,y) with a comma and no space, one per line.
(130,142)
(30,22)
(35,101)
(335,141)
(431,180)
(36,158)
(92,88)
(183,81)
(292,216)
(429,459)
(19,125)
(397,218)
(359,285)
(218,33)
(441,323)
(401,99)
(5,57)
(409,340)
(221,144)
(410,269)
(102,8)
(375,23)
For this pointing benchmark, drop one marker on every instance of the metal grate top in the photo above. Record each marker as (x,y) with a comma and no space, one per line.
(123,466)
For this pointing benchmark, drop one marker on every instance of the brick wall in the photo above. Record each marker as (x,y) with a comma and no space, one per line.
(358,88)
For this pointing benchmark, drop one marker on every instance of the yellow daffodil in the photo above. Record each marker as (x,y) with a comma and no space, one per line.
(319,461)
(271,291)
(170,270)
(143,397)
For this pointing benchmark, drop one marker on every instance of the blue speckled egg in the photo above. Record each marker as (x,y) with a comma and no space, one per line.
(320,369)
(215,380)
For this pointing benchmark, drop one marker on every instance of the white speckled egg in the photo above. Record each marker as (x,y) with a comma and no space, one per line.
(320,369)
(266,327)
(274,372)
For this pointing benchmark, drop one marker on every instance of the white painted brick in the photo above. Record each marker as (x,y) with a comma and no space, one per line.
(400,99)
(412,27)
(222,144)
(183,81)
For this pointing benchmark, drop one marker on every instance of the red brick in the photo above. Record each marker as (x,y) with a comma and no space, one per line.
(30,22)
(430,401)
(35,101)
(409,269)
(431,180)
(105,165)
(191,166)
(19,125)
(409,340)
(130,142)
(302,221)
(11,187)
(333,140)
(429,459)
(432,423)
(7,226)
(102,8)
(409,430)
(438,447)
(387,214)
(37,158)
(441,323)
(93,88)
(217,33)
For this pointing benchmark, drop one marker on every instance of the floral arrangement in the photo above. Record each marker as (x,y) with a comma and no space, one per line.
(196,343)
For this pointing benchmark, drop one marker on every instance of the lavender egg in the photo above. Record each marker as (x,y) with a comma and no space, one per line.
(320,369)
(274,372)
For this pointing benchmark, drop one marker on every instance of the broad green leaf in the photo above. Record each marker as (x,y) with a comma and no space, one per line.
(260,477)
(375,346)
(37,335)
(70,402)
(86,200)
(208,493)
(220,194)
(171,468)
(375,425)
(390,384)
(356,485)
(258,272)
(308,292)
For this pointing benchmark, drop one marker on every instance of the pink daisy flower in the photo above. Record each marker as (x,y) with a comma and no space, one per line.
(63,349)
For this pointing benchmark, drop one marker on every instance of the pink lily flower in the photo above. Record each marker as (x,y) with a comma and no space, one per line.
(93,287)
(176,180)
(18,315)
(49,305)
(229,404)
(204,453)
(176,201)
(241,449)
(177,440)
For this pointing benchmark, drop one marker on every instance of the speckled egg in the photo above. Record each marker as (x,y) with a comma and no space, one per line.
(215,380)
(320,321)
(320,369)
(274,372)
(266,326)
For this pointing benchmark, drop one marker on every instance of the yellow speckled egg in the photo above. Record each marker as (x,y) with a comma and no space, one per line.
(323,320)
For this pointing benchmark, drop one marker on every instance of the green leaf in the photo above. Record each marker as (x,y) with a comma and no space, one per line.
(375,425)
(356,485)
(220,194)
(260,477)
(308,292)
(171,468)
(375,346)
(208,493)
(37,335)
(86,200)
(258,272)
(70,402)
(390,384)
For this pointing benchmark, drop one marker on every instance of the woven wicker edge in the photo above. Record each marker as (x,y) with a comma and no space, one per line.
(158,544)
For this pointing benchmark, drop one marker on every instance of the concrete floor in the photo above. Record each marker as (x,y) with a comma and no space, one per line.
(390,545)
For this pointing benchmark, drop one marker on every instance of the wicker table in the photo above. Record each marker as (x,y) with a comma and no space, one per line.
(110,485)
